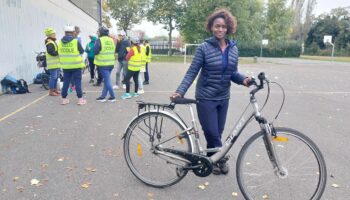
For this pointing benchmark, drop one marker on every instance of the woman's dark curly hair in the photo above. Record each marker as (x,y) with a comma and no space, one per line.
(230,20)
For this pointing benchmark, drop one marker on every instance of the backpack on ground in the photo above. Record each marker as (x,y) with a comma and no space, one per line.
(22,87)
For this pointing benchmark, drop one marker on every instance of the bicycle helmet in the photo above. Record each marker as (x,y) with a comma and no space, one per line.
(49,31)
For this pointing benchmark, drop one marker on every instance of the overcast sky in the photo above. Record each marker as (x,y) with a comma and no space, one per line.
(323,6)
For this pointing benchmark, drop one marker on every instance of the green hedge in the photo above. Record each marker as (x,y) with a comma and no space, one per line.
(290,49)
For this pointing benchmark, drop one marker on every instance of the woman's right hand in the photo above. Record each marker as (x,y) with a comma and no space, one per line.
(174,96)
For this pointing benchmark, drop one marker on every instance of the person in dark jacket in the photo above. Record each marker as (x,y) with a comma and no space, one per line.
(121,49)
(217,60)
(89,49)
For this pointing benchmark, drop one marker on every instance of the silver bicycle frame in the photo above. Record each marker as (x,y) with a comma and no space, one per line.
(234,133)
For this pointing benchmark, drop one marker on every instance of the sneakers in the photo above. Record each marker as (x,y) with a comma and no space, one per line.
(65,101)
(81,101)
(111,99)
(115,87)
(146,83)
(97,84)
(134,94)
(221,167)
(126,96)
(124,86)
(101,99)
(141,91)
(91,81)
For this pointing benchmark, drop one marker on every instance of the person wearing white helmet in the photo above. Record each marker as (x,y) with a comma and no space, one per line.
(70,51)
(121,49)
(134,58)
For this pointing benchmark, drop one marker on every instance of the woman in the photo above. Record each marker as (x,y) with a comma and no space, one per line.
(134,58)
(91,55)
(52,60)
(104,60)
(217,60)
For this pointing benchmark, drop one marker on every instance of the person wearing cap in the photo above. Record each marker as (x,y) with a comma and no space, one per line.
(91,55)
(148,60)
(52,60)
(70,53)
(122,45)
(134,58)
(104,60)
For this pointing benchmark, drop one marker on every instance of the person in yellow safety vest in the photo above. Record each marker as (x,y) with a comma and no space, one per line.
(148,60)
(134,59)
(52,60)
(70,51)
(104,50)
(143,69)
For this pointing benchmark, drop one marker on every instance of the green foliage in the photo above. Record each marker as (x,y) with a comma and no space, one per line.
(336,24)
(279,20)
(167,13)
(127,12)
(249,14)
(276,49)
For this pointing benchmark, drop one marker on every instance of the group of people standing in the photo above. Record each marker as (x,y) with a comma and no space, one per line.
(133,58)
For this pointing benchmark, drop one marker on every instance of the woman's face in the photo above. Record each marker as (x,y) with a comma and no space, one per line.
(219,28)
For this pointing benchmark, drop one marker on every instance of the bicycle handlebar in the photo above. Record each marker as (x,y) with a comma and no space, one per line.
(259,86)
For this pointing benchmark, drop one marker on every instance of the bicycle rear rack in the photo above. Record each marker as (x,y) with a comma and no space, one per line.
(155,106)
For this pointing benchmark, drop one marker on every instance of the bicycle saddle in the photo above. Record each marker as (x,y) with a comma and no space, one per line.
(183,101)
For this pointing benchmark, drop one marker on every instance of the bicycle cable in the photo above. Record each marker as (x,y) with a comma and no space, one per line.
(284,97)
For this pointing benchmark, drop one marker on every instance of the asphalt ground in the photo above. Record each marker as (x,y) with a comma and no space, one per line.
(76,152)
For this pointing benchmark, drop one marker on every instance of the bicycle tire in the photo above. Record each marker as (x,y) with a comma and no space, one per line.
(139,164)
(289,142)
(45,81)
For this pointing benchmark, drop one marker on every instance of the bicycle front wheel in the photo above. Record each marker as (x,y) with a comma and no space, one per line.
(149,165)
(304,166)
(45,81)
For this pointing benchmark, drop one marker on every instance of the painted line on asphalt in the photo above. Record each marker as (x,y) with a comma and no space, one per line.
(23,107)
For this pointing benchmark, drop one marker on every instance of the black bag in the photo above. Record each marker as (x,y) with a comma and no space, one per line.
(22,87)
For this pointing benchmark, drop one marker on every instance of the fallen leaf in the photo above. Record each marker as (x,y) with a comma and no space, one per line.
(150,194)
(34,182)
(86,185)
(206,183)
(90,169)
(335,185)
(247,163)
(116,194)
(92,145)
(265,197)
(39,116)
(44,165)
(19,189)
(111,134)
(60,159)
(202,187)
(4,190)
(234,194)
(15,178)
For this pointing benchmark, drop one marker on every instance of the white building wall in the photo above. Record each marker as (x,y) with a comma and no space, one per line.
(22,24)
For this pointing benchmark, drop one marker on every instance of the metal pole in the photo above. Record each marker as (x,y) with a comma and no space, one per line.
(332,49)
(185,54)
(99,8)
(260,50)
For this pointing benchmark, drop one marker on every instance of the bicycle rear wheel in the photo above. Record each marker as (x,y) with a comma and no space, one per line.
(144,161)
(45,81)
(300,158)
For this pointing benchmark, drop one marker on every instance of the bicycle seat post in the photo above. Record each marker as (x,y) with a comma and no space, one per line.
(195,130)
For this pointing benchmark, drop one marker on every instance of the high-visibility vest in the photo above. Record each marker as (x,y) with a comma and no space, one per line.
(135,61)
(143,57)
(106,56)
(53,62)
(69,54)
(149,57)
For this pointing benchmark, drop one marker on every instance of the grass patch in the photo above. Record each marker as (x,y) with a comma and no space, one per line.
(180,59)
(326,58)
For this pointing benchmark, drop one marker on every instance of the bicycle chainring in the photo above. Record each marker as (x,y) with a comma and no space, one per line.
(205,168)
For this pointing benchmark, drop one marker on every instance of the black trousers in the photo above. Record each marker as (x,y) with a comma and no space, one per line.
(135,77)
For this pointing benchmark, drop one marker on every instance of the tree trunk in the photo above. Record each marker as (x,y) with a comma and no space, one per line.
(170,44)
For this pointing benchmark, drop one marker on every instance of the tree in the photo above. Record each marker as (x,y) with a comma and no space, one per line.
(249,15)
(127,12)
(166,12)
(105,16)
(279,20)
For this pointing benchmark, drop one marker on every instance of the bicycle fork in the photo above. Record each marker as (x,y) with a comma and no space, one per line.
(268,130)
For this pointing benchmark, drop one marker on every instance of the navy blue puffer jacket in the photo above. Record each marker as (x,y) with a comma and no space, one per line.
(214,80)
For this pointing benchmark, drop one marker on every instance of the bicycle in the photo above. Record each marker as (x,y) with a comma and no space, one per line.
(274,163)
(45,75)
